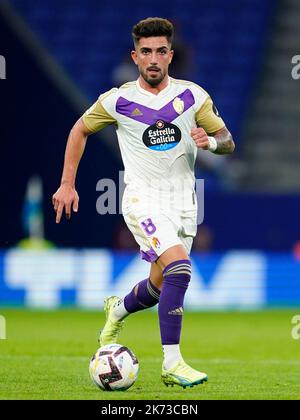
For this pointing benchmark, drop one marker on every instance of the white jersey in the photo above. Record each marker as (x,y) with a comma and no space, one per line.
(154,131)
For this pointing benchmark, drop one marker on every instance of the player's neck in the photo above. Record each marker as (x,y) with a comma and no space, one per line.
(154,90)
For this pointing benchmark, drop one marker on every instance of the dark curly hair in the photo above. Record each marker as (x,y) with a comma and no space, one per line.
(153,27)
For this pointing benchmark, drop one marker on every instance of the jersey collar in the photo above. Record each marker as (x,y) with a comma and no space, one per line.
(161,93)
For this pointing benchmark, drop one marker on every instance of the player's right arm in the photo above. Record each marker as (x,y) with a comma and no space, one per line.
(66,196)
(93,120)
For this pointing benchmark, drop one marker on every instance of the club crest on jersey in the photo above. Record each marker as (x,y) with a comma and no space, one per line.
(178,105)
(161,136)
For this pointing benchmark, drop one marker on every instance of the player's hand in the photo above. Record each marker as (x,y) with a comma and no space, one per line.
(64,198)
(200,138)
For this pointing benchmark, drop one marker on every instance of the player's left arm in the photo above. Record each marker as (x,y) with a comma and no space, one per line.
(219,142)
(211,132)
(225,143)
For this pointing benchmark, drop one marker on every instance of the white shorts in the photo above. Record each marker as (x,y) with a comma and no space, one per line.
(155,227)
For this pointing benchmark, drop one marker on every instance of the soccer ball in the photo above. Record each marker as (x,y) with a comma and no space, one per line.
(114,368)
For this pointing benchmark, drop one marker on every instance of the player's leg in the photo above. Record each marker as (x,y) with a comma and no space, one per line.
(176,268)
(171,304)
(143,295)
(156,275)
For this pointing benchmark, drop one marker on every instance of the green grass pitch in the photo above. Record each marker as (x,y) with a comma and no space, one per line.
(247,355)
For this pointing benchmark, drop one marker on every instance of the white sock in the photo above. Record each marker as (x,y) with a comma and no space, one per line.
(172,355)
(119,311)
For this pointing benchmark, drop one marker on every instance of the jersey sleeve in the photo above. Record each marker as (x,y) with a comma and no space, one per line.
(97,117)
(208,117)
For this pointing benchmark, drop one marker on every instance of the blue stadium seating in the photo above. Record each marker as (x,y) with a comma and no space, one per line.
(227,37)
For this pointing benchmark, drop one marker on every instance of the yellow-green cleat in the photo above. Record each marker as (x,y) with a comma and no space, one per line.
(112,327)
(183,375)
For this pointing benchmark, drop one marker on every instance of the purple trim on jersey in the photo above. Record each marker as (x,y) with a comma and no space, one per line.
(149,256)
(149,115)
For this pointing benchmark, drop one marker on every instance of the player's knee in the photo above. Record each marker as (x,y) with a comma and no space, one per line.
(171,255)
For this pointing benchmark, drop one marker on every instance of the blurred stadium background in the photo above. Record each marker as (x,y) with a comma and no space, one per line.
(60,55)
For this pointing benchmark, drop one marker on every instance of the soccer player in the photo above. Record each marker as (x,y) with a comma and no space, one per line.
(160,124)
